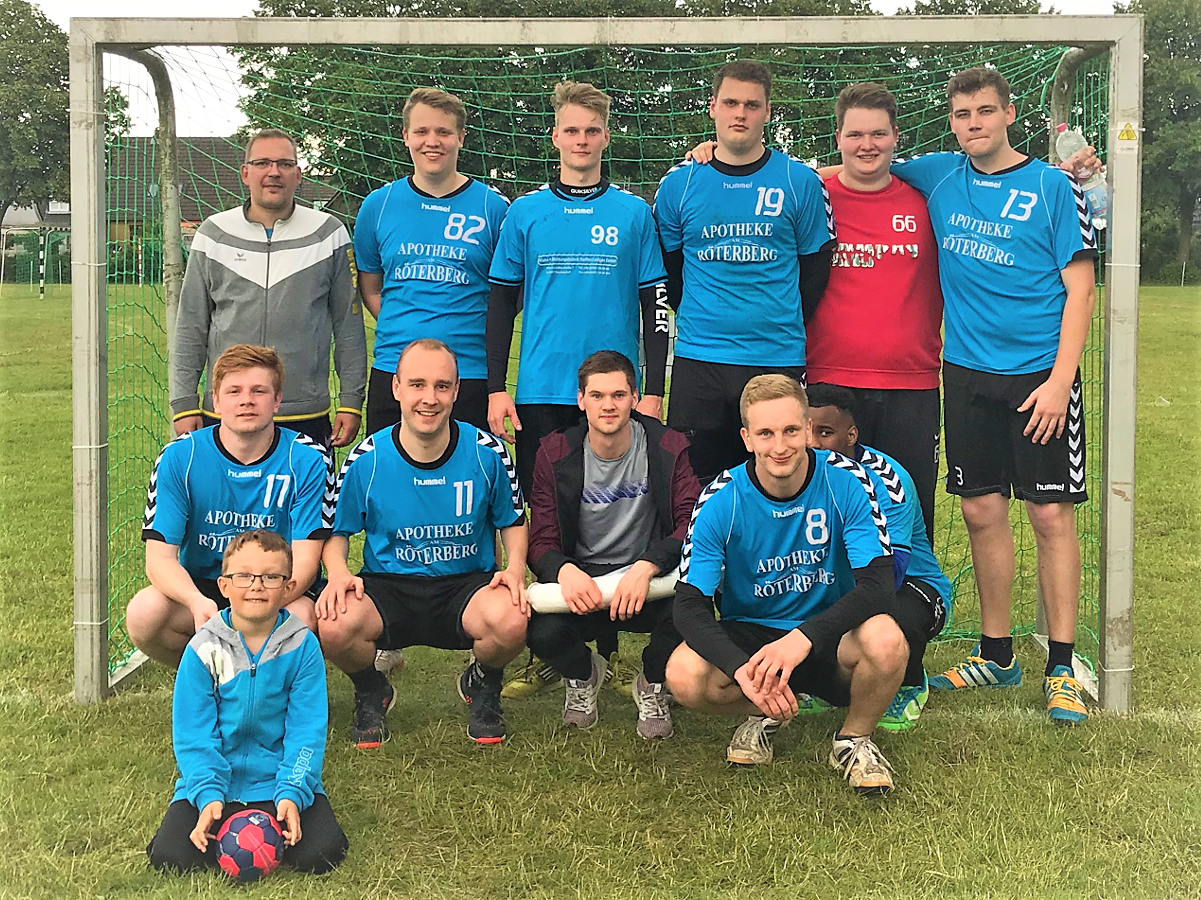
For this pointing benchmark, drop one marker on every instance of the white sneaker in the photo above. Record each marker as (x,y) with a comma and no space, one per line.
(751,744)
(389,661)
(654,713)
(579,706)
(861,764)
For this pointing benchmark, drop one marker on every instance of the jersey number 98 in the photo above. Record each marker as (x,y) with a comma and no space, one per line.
(603,235)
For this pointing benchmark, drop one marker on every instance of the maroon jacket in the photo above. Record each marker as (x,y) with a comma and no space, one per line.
(559,484)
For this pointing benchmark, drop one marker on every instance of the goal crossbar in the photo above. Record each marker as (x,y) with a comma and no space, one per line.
(90,38)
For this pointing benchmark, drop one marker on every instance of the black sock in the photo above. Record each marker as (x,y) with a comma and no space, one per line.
(606,645)
(998,650)
(1059,654)
(367,680)
(492,675)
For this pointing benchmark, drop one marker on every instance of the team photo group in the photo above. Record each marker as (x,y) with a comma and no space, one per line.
(762,508)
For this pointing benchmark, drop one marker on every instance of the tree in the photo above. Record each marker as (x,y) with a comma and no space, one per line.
(1171,132)
(34,128)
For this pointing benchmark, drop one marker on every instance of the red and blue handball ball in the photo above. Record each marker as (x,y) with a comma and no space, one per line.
(250,845)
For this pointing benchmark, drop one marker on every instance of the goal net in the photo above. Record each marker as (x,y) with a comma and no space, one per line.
(343,103)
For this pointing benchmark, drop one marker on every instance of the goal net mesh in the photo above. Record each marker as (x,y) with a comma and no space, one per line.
(344,106)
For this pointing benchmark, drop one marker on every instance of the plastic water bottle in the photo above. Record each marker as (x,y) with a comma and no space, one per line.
(1067,142)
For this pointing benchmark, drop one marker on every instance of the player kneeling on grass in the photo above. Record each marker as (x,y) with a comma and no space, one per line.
(249,720)
(923,591)
(777,526)
(210,485)
(429,494)
(613,493)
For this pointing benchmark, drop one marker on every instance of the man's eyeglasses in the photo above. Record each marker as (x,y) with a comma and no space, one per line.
(270,580)
(285,165)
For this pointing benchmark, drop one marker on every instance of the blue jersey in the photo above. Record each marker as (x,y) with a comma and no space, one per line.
(201,498)
(897,495)
(582,262)
(780,556)
(434,254)
(742,236)
(1003,241)
(436,518)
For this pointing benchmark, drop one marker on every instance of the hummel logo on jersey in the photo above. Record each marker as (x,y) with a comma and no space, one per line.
(1049,487)
(257,473)
(785,513)
(435,207)
(979,182)
(428,482)
(579,210)
(737,184)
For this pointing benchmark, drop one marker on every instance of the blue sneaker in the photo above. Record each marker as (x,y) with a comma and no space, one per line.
(902,714)
(975,671)
(808,705)
(1065,701)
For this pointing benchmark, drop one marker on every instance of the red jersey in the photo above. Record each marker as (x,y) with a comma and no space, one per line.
(878,324)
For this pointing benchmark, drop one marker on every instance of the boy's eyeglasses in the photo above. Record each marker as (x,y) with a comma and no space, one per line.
(270,580)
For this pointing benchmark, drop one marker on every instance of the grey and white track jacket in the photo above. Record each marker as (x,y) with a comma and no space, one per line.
(293,291)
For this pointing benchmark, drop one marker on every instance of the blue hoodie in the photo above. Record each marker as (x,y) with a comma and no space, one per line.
(250,727)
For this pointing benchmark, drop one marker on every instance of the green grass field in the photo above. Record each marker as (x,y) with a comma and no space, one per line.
(991,801)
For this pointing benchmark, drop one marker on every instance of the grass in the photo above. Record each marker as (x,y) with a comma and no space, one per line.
(992,801)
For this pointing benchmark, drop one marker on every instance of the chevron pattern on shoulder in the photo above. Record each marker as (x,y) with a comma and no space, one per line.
(714,486)
(842,462)
(892,481)
(493,443)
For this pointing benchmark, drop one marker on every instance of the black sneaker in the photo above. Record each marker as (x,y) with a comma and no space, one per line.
(481,691)
(370,717)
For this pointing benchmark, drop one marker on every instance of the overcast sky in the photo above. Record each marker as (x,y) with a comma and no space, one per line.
(62,10)
(205,78)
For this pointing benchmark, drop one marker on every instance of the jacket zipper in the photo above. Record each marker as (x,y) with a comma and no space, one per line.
(266,288)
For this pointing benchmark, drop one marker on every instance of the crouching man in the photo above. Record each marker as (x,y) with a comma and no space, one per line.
(777,526)
(612,494)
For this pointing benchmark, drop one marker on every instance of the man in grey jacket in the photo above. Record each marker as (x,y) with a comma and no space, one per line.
(275,274)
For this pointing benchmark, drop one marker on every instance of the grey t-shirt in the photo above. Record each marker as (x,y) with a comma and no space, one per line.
(617,513)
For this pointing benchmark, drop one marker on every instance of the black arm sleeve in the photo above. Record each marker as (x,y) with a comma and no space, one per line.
(815,273)
(655,330)
(874,593)
(503,305)
(673,261)
(693,615)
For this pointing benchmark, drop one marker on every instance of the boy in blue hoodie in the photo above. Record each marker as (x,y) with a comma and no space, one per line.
(249,720)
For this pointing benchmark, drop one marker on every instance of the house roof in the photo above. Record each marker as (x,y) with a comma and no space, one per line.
(209,173)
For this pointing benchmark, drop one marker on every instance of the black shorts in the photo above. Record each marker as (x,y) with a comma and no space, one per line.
(818,674)
(423,610)
(986,450)
(318,427)
(904,424)
(383,411)
(210,589)
(704,405)
(925,603)
(537,421)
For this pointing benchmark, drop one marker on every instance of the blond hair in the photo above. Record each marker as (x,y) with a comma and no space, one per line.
(582,94)
(265,134)
(771,387)
(269,541)
(240,357)
(441,100)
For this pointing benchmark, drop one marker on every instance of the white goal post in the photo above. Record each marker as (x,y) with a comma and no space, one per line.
(90,38)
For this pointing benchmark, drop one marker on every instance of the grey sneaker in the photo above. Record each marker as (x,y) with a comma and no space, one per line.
(751,744)
(861,764)
(579,706)
(653,701)
(389,661)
